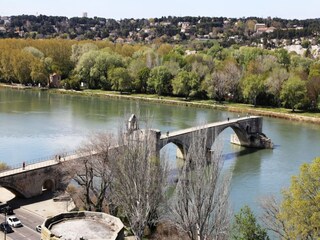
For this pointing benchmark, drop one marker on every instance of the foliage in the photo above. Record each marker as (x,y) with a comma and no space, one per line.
(293,92)
(120,79)
(301,203)
(184,83)
(297,215)
(71,83)
(235,74)
(3,166)
(252,86)
(313,84)
(160,81)
(275,82)
(245,226)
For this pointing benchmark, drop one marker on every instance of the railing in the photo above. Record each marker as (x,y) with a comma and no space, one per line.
(36,163)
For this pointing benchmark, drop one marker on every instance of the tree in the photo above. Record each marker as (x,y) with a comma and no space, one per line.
(293,92)
(93,173)
(22,67)
(184,83)
(84,66)
(234,75)
(199,205)
(140,179)
(283,57)
(79,49)
(245,226)
(160,81)
(300,208)
(224,82)
(218,86)
(142,79)
(252,86)
(297,216)
(120,79)
(313,84)
(140,74)
(4,166)
(275,82)
(270,216)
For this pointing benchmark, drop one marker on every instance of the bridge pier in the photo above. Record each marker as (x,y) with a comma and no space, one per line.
(255,140)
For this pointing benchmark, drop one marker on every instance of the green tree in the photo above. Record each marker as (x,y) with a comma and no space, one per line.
(300,208)
(293,92)
(22,67)
(84,66)
(79,49)
(252,86)
(140,82)
(160,81)
(313,84)
(283,57)
(275,82)
(140,74)
(183,83)
(120,79)
(245,226)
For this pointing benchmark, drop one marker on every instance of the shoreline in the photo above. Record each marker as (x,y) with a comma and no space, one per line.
(162,100)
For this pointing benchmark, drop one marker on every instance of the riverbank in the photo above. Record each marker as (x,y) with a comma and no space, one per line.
(231,107)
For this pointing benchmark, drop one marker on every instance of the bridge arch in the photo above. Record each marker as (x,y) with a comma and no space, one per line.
(181,148)
(13,189)
(48,185)
(241,132)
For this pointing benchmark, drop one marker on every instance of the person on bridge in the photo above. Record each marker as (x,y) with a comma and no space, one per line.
(23,165)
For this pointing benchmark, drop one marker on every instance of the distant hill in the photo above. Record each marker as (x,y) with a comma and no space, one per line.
(228,31)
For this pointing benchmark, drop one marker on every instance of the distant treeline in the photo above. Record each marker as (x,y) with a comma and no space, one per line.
(237,74)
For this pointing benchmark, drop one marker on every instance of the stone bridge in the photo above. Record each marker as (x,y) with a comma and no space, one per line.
(248,133)
(32,179)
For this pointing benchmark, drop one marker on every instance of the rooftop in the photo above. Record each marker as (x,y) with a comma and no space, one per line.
(82,225)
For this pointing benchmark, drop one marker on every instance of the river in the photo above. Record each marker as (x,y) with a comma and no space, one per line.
(37,124)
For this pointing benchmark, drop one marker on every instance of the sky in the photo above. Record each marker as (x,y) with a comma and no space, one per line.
(120,9)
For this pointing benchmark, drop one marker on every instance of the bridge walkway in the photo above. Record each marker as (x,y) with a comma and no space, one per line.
(205,126)
(38,165)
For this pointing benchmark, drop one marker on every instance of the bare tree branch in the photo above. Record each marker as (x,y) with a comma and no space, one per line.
(200,204)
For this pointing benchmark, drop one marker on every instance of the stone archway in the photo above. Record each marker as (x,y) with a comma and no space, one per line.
(48,185)
(17,192)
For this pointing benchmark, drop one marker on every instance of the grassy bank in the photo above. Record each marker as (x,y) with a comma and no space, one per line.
(232,107)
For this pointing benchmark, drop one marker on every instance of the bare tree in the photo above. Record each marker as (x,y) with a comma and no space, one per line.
(140,179)
(270,216)
(200,204)
(225,81)
(92,171)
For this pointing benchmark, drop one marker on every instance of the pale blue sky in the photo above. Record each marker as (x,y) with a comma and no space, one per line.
(119,9)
